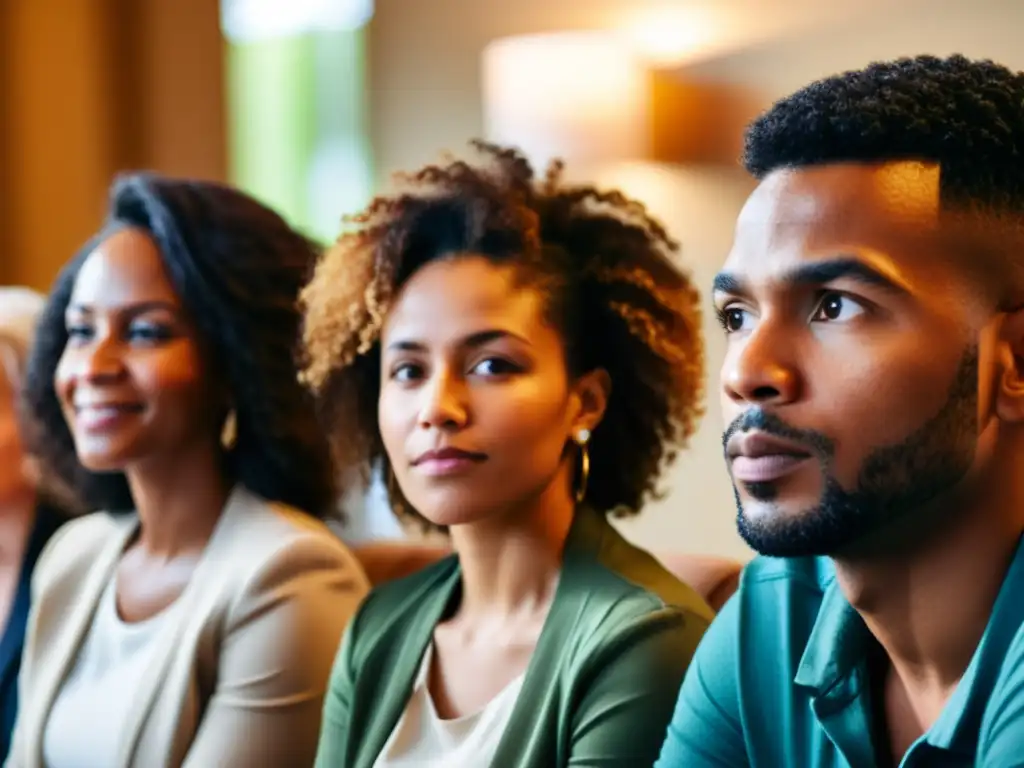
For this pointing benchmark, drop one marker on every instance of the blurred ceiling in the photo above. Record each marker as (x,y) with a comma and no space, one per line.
(683,32)
(670,32)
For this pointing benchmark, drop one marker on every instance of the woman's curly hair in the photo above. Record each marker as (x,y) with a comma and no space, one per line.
(237,267)
(612,289)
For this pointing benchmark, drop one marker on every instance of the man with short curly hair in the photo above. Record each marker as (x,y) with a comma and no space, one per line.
(873,385)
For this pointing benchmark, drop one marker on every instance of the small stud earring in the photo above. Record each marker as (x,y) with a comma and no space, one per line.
(583,436)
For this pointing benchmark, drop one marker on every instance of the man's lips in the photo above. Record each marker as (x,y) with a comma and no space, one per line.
(756,457)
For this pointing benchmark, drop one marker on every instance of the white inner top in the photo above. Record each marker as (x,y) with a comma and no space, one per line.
(86,723)
(424,740)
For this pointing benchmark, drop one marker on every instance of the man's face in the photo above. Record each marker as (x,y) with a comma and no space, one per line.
(854,344)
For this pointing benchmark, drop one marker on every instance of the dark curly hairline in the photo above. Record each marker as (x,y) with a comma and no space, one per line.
(350,389)
(300,473)
(966,116)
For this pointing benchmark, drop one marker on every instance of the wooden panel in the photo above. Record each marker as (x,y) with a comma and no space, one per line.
(89,88)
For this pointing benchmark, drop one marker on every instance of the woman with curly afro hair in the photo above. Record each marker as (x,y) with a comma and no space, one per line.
(520,359)
(203,606)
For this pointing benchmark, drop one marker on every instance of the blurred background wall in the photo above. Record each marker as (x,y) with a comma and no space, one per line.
(312,104)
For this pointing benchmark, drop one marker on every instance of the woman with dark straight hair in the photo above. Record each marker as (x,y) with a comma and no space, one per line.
(192,621)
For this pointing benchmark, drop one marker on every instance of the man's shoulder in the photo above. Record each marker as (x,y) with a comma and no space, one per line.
(1001,737)
(1000,663)
(747,664)
(806,577)
(777,602)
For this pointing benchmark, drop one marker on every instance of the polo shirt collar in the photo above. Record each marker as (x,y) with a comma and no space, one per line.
(833,664)
(834,671)
(837,644)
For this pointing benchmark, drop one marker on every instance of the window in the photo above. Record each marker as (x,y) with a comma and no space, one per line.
(296,98)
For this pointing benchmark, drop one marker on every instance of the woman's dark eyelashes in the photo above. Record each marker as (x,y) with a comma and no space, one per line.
(78,331)
(404,371)
(144,332)
(487,367)
(149,332)
(498,366)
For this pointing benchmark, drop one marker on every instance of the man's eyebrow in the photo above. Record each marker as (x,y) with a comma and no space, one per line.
(816,273)
(726,282)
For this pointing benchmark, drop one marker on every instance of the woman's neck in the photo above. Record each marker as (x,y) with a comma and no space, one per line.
(179,500)
(510,564)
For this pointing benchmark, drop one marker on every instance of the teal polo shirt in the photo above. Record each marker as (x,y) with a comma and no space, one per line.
(780,680)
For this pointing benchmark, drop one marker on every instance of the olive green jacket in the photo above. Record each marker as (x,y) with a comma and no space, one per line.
(600,687)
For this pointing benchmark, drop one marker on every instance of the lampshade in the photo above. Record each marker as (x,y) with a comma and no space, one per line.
(579,96)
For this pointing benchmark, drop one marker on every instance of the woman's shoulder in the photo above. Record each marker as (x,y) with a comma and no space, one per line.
(269,525)
(75,549)
(617,602)
(622,608)
(277,541)
(624,582)
(76,542)
(94,527)
(394,608)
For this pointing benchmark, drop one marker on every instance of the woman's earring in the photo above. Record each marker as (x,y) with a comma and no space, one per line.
(229,432)
(582,438)
(31,472)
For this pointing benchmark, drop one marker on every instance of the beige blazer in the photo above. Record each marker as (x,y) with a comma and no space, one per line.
(239,679)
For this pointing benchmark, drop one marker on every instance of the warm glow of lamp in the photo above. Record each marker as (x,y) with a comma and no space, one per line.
(667,36)
(580,96)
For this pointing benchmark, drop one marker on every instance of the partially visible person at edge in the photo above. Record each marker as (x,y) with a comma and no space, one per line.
(873,384)
(523,358)
(193,622)
(29,511)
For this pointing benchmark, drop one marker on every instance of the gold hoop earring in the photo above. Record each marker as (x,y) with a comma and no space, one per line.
(582,438)
(229,432)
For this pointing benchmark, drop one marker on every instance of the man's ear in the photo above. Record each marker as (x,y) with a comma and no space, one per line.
(592,390)
(1009,394)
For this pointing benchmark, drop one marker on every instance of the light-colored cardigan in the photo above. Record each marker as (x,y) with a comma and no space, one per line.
(239,680)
